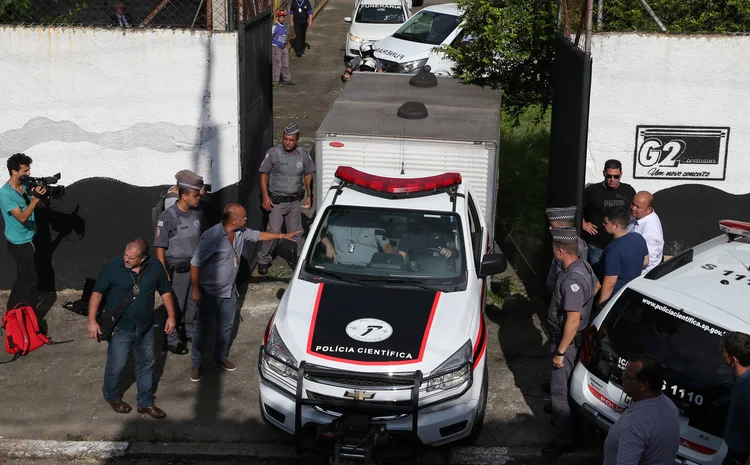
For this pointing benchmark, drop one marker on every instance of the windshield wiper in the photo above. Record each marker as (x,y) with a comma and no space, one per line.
(410,282)
(338,277)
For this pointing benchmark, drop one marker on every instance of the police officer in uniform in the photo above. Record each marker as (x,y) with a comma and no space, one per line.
(178,232)
(285,173)
(563,218)
(568,316)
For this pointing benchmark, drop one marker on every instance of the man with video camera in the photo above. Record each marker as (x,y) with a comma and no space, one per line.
(18,204)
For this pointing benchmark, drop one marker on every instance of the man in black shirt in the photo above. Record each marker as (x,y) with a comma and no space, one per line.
(598,197)
(301,18)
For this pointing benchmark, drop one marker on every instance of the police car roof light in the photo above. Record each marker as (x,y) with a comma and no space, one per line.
(397,185)
(735,228)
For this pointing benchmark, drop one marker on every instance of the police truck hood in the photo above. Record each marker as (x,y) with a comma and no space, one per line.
(370,329)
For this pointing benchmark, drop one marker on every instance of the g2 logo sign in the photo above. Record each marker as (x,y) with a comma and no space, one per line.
(680,152)
(668,155)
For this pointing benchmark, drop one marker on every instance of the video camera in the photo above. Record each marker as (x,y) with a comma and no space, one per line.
(54,192)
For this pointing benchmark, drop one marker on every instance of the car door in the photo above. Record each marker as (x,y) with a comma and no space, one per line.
(440,64)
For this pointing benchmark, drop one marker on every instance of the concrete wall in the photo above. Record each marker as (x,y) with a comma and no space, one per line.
(117,113)
(674,111)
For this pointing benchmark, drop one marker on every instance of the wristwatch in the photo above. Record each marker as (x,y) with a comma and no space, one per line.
(558,354)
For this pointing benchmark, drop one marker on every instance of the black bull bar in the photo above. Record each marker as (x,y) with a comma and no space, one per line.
(356,419)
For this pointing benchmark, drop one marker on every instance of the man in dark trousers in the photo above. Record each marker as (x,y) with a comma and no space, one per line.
(598,197)
(301,18)
(735,348)
(625,257)
(285,173)
(178,232)
(136,274)
(567,317)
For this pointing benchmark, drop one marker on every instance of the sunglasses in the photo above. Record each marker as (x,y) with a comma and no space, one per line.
(615,176)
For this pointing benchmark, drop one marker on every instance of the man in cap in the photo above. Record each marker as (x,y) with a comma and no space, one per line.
(567,317)
(285,173)
(178,231)
(563,218)
(280,52)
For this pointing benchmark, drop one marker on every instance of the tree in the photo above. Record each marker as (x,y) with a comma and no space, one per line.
(511,47)
(679,16)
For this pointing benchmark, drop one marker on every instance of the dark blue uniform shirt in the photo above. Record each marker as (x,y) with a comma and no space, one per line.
(737,431)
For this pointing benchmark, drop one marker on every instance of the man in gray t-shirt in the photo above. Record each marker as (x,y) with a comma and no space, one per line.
(647,432)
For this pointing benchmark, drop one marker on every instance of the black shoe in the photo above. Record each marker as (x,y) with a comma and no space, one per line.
(547,409)
(263,268)
(556,450)
(179,349)
(299,55)
(546,388)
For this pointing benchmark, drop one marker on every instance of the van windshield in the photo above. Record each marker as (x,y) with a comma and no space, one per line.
(697,379)
(368,245)
(428,27)
(380,14)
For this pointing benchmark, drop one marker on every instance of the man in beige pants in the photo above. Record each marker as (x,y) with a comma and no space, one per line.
(280,52)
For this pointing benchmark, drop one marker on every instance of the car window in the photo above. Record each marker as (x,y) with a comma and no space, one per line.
(380,14)
(386,243)
(428,27)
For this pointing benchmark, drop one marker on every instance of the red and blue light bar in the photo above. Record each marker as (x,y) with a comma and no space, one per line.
(397,185)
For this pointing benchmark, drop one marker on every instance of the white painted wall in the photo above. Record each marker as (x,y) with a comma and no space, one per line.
(135,105)
(641,79)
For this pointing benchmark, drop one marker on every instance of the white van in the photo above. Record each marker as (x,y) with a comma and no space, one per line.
(413,44)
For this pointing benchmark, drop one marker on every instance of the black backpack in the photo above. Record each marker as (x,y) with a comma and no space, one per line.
(159,207)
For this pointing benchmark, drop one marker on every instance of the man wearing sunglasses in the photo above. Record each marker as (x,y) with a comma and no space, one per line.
(596,199)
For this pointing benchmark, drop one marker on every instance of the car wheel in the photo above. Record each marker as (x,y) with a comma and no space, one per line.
(476,429)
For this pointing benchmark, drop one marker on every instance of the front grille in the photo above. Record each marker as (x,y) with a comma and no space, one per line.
(351,381)
(325,398)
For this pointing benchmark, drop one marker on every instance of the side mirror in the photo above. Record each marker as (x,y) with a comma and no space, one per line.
(287,250)
(493,263)
(348,19)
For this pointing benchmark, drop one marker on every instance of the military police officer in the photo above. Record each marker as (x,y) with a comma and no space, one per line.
(285,173)
(563,218)
(568,316)
(178,232)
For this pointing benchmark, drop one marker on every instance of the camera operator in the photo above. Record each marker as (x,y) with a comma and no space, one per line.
(18,206)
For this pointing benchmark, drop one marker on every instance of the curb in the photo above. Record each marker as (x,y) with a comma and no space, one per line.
(47,449)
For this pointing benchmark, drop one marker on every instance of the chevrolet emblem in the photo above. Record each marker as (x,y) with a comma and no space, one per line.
(359,395)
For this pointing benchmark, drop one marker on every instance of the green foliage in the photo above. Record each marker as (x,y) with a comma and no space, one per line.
(678,16)
(24,12)
(512,48)
(524,166)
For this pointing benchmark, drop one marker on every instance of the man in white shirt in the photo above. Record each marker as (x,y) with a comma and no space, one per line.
(646,222)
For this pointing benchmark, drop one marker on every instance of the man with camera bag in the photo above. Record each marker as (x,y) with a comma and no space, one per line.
(18,203)
(127,322)
(178,231)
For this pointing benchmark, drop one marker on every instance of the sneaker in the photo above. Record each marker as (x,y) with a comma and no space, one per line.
(195,375)
(263,268)
(227,365)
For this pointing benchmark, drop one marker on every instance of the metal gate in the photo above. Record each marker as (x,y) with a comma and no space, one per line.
(256,112)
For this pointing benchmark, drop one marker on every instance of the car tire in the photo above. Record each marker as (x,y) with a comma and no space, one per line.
(476,428)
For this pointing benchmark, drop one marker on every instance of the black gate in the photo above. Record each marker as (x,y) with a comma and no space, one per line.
(256,113)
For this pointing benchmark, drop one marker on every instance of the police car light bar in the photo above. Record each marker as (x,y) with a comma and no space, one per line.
(397,185)
(738,228)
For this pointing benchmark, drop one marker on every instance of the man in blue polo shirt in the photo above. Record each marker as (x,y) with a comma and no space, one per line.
(735,347)
(18,205)
(625,257)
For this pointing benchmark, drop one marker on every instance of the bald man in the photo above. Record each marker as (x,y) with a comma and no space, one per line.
(646,222)
(213,271)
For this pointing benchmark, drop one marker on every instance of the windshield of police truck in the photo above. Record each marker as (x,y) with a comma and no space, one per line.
(380,14)
(375,244)
(428,27)
(697,379)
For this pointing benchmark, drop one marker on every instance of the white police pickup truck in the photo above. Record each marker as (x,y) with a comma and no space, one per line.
(379,343)
(677,314)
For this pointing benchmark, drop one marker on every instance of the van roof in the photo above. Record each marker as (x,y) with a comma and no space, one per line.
(369,104)
(379,2)
(718,276)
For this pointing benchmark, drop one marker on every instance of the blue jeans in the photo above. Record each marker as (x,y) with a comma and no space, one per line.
(225,310)
(118,351)
(595,254)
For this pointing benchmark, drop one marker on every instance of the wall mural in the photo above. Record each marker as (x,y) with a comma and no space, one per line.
(680,152)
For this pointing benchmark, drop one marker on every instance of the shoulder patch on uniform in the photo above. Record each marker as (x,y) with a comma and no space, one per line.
(160,223)
(575,287)
(158,232)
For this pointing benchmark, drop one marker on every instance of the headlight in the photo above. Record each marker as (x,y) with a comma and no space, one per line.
(410,66)
(453,372)
(276,347)
(354,38)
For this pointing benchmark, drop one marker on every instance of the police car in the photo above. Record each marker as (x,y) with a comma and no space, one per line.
(412,46)
(371,353)
(677,313)
(372,20)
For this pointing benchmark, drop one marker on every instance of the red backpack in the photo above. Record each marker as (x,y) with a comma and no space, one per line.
(22,333)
